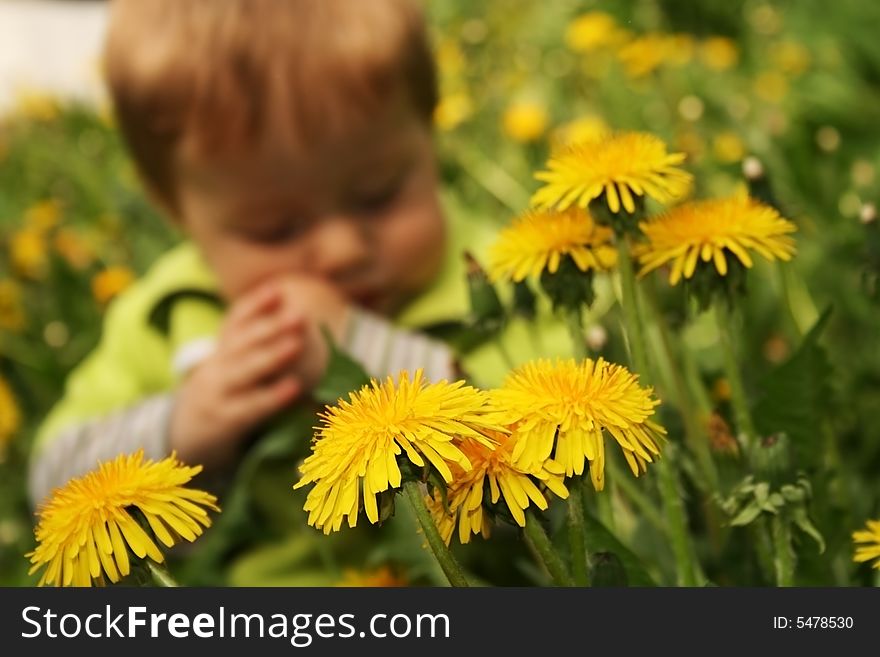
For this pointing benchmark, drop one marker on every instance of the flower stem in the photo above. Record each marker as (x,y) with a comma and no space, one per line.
(576,330)
(784,555)
(631,310)
(737,392)
(577,541)
(160,574)
(448,563)
(540,542)
(676,517)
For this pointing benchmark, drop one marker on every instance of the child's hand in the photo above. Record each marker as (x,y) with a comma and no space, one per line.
(247,379)
(320,305)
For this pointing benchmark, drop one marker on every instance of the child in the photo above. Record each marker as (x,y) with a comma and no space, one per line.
(291,142)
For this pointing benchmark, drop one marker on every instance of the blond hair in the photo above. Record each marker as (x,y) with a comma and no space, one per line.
(211,74)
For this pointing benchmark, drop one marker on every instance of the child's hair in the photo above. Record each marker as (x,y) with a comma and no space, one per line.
(209,74)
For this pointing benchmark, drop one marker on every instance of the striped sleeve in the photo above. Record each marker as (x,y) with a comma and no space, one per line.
(384,349)
(80,448)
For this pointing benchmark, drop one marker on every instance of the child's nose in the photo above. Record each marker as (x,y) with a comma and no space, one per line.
(343,246)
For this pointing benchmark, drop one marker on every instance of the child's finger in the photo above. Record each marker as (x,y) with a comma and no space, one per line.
(256,406)
(260,331)
(259,301)
(260,364)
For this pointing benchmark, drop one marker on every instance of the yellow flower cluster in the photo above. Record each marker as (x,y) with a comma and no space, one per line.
(545,423)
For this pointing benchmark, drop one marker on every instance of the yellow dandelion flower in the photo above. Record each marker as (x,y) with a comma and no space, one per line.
(505,478)
(87,527)
(870,537)
(790,57)
(382,577)
(12,317)
(565,408)
(359,441)
(771,86)
(43,216)
(728,147)
(452,111)
(680,49)
(710,230)
(540,239)
(36,105)
(524,121)
(593,31)
(27,251)
(110,282)
(644,55)
(619,166)
(719,53)
(10,415)
(74,248)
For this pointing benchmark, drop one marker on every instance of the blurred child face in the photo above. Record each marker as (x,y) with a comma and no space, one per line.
(359,211)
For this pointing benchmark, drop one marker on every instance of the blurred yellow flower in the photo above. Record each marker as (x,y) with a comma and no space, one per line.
(790,58)
(771,86)
(10,415)
(27,251)
(565,407)
(359,440)
(680,49)
(493,469)
(728,147)
(644,55)
(593,31)
(450,58)
(453,110)
(580,131)
(43,216)
(382,577)
(110,282)
(618,166)
(868,543)
(719,53)
(87,527)
(12,317)
(539,239)
(73,248)
(36,105)
(525,121)
(714,230)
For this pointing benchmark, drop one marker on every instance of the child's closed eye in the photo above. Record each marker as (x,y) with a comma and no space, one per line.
(372,200)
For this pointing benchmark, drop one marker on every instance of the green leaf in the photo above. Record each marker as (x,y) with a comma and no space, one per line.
(342,376)
(599,539)
(800,518)
(795,397)
(747,515)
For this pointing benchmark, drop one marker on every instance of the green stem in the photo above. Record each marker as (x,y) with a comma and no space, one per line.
(577,541)
(448,563)
(540,542)
(632,492)
(576,329)
(785,286)
(631,313)
(161,576)
(763,549)
(741,410)
(784,561)
(604,506)
(676,517)
(694,432)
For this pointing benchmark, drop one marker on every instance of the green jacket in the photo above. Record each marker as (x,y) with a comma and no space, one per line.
(171,306)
